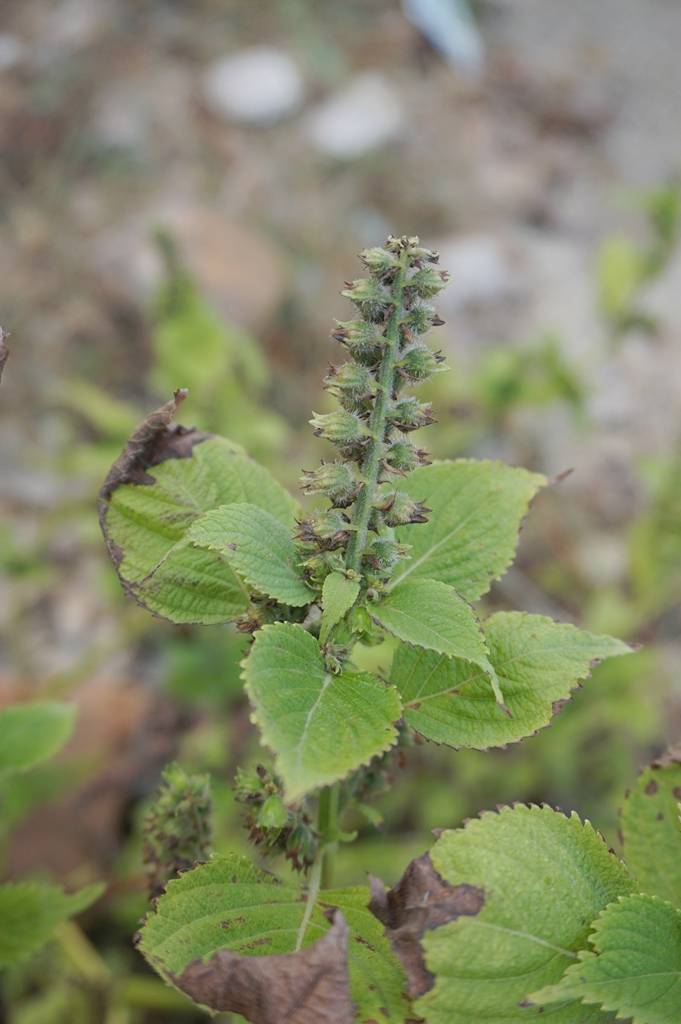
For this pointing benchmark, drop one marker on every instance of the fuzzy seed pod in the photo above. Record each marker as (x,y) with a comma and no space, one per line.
(380,263)
(271,825)
(341,427)
(352,385)
(364,341)
(418,255)
(403,457)
(399,509)
(336,480)
(420,318)
(426,283)
(383,554)
(410,414)
(317,567)
(419,363)
(371,298)
(328,531)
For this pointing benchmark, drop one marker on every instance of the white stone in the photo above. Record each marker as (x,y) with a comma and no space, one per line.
(361,117)
(12,51)
(260,85)
(481,270)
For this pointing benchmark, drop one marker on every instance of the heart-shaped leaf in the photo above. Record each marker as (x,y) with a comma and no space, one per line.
(319,725)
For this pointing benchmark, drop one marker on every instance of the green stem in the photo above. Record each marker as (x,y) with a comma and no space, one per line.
(327,823)
(377,425)
(82,955)
(321,870)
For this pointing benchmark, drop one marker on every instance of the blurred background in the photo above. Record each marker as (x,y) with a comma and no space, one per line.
(184,189)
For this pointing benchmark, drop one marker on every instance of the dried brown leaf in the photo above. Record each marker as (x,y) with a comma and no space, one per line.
(308,987)
(153,442)
(420,901)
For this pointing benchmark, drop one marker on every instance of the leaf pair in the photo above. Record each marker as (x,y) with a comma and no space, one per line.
(537,663)
(225,933)
(433,616)
(468,541)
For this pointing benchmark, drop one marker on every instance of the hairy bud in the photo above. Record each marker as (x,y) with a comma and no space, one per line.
(419,363)
(419,319)
(342,428)
(383,554)
(403,457)
(410,414)
(380,263)
(336,480)
(371,298)
(328,531)
(399,509)
(364,341)
(271,825)
(426,282)
(351,383)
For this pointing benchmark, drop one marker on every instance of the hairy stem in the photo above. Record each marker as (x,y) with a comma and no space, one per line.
(377,425)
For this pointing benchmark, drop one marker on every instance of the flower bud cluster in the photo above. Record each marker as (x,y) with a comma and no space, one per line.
(177,828)
(371,429)
(272,825)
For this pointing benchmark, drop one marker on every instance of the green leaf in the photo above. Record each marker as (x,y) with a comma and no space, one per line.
(537,661)
(31,733)
(229,904)
(146,525)
(257,546)
(635,969)
(338,596)
(651,830)
(30,911)
(320,726)
(472,532)
(545,878)
(432,615)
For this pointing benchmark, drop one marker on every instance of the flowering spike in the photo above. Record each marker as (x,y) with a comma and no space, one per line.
(369,430)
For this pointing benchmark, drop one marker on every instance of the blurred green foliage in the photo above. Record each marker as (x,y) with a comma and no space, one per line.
(625,267)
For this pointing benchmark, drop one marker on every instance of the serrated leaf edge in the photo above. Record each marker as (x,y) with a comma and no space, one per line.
(266,742)
(621,1012)
(544,809)
(545,482)
(577,684)
(245,577)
